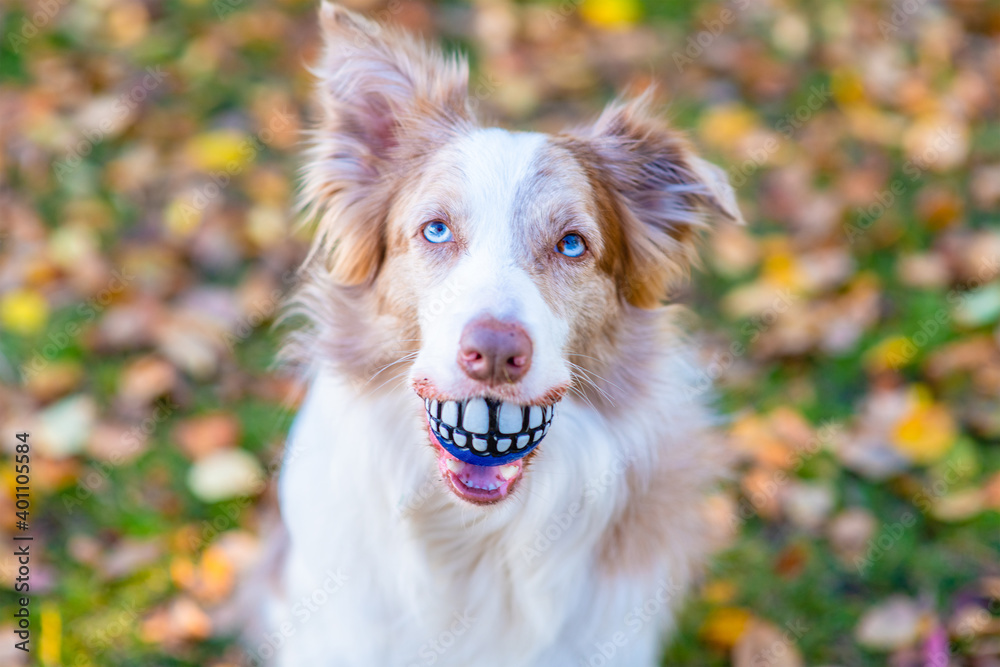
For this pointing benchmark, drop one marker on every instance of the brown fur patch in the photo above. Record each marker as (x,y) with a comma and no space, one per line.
(652,192)
(386,100)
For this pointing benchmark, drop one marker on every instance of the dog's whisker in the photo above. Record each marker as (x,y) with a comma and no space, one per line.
(590,382)
(583,396)
(392,379)
(585,356)
(403,359)
(590,372)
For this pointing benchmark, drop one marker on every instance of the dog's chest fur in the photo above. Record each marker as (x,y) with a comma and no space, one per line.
(422,580)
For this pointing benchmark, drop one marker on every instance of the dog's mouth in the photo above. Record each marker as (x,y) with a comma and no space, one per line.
(482,443)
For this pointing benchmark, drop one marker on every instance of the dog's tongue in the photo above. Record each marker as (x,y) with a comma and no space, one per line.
(481,482)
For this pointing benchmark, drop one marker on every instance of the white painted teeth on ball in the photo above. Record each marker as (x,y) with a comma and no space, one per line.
(511,418)
(467,424)
(477,417)
(449,413)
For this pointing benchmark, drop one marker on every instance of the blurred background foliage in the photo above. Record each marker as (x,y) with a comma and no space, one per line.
(148,165)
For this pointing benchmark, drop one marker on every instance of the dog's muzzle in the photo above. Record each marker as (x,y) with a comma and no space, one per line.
(486,432)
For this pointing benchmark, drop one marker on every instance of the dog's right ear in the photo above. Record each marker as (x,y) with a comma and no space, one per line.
(384,97)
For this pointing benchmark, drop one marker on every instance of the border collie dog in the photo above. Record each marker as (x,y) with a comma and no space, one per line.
(503,456)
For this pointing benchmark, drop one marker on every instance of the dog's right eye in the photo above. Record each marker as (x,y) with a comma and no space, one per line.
(571,245)
(437,232)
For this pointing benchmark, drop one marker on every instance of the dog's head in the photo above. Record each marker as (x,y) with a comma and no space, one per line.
(499,266)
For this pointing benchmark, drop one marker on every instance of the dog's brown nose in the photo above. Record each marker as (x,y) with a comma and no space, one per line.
(494,352)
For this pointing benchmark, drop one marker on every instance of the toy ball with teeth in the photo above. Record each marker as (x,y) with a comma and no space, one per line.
(485,432)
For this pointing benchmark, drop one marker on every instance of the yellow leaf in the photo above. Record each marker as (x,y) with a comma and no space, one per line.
(611,13)
(925,433)
(725,625)
(782,269)
(868,122)
(182,217)
(719,591)
(892,353)
(23,311)
(221,150)
(725,126)
(847,87)
(50,648)
(921,395)
(217,574)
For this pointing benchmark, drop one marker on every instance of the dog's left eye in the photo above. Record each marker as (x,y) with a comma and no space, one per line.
(437,232)
(571,245)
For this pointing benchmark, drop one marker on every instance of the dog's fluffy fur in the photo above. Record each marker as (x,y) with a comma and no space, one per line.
(592,548)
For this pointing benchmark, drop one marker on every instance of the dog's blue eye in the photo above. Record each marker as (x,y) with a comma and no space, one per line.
(571,245)
(438,232)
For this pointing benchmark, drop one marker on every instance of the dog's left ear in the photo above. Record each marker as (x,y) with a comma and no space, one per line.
(658,192)
(385,98)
